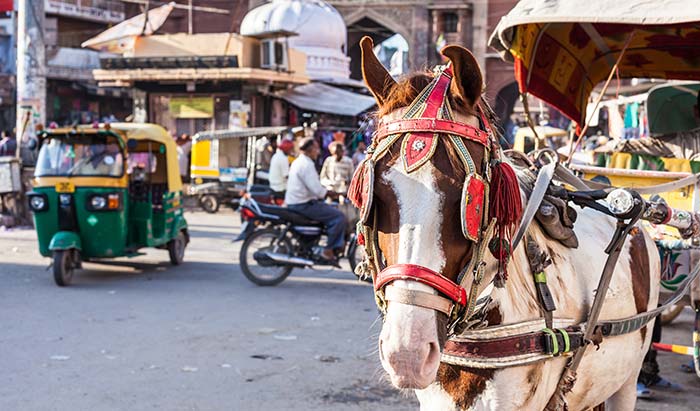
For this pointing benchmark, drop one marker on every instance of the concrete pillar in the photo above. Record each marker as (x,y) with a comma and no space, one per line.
(480,32)
(421,43)
(465,29)
(31,68)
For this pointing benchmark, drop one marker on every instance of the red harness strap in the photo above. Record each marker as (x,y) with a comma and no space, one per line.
(423,275)
(433,125)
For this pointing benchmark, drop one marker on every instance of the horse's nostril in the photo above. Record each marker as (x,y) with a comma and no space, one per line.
(433,355)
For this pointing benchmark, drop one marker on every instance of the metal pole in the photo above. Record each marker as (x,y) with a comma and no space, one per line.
(189,17)
(31,68)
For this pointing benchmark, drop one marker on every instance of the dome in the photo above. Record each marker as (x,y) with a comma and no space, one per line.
(321,33)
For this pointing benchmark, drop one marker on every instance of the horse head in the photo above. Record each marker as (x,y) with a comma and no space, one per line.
(428,191)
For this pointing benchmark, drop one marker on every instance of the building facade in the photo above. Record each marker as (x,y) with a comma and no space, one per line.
(427,26)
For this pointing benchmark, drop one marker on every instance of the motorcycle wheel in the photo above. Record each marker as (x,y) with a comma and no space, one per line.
(209,203)
(264,240)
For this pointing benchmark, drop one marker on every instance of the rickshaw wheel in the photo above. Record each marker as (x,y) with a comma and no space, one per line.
(667,316)
(209,203)
(176,249)
(63,267)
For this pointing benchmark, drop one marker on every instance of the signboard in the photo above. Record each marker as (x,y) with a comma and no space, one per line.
(191,107)
(87,9)
(6,5)
(238,114)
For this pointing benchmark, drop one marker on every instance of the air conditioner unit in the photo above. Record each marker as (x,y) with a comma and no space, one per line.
(273,55)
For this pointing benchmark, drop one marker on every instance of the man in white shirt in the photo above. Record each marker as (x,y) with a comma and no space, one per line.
(305,195)
(279,168)
(337,170)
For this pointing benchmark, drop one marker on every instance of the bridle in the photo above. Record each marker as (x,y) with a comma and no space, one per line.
(428,117)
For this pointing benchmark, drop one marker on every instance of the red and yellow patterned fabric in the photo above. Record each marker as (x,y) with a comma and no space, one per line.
(562,50)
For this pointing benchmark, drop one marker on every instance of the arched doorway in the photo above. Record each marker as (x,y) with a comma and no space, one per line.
(391,46)
(503,106)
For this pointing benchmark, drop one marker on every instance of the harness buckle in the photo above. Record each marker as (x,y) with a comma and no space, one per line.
(550,342)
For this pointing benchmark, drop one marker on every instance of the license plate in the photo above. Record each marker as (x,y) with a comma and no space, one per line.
(65,187)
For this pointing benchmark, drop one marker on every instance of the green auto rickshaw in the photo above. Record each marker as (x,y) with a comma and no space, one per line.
(106,191)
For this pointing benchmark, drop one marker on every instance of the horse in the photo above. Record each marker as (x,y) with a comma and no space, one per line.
(416,214)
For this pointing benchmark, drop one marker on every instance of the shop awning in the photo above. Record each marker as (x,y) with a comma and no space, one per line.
(121,38)
(322,98)
(239,133)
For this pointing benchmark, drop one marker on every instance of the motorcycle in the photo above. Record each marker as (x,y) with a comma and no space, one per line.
(277,240)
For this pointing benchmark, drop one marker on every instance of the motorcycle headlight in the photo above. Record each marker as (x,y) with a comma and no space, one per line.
(38,203)
(98,203)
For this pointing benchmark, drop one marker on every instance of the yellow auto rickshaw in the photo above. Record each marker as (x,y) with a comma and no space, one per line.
(226,162)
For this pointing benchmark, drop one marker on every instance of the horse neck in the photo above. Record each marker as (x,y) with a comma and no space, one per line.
(517,301)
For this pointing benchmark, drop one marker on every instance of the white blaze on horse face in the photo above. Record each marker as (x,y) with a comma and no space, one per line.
(408,344)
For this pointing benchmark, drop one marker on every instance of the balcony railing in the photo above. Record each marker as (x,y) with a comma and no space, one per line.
(102,11)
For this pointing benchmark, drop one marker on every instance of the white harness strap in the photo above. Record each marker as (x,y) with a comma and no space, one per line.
(419,298)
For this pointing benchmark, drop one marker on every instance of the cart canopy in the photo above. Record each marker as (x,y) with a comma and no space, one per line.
(563,48)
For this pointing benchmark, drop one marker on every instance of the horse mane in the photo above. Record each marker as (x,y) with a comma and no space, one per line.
(407,89)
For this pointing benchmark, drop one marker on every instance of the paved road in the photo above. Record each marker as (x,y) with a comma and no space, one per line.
(138,334)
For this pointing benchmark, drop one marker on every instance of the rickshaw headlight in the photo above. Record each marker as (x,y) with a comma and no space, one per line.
(103,202)
(98,203)
(38,203)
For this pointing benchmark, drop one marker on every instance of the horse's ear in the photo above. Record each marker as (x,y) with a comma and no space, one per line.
(467,81)
(376,76)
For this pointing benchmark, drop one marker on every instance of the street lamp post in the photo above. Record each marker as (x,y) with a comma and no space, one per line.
(31,68)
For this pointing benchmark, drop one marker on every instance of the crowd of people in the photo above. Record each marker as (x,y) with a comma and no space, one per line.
(304,190)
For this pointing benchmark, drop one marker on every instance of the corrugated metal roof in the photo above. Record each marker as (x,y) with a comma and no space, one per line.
(240,133)
(322,98)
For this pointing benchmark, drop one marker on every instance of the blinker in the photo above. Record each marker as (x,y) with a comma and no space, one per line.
(472,210)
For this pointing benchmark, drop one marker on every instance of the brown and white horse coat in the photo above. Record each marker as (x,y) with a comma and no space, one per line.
(418,222)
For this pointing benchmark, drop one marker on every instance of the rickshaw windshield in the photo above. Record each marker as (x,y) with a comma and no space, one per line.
(71,155)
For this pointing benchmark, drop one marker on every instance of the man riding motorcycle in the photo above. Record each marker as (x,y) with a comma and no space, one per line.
(305,195)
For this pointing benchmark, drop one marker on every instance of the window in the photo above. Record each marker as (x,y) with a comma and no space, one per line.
(266,54)
(274,55)
(91,155)
(279,54)
(450,21)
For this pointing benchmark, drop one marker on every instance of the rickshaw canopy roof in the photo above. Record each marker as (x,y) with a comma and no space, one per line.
(239,133)
(138,132)
(670,107)
(563,48)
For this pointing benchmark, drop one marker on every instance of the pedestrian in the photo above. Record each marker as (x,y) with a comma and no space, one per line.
(360,153)
(184,148)
(305,195)
(8,145)
(279,168)
(337,170)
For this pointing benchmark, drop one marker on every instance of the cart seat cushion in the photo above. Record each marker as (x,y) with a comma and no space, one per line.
(287,214)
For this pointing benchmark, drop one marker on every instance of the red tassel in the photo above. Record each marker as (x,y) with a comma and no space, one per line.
(505,205)
(357,184)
